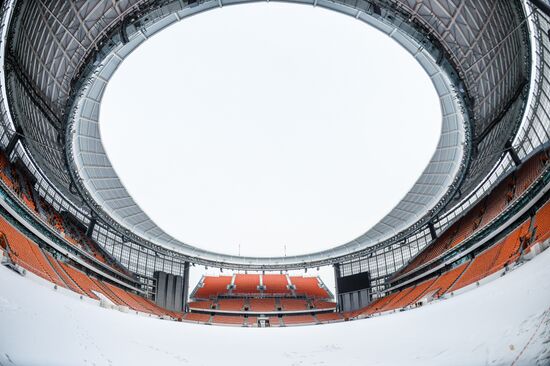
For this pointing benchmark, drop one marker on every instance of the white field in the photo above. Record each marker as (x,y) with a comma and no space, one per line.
(504,322)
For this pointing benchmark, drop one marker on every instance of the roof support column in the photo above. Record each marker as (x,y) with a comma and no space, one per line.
(13,141)
(513,153)
(91,226)
(431,227)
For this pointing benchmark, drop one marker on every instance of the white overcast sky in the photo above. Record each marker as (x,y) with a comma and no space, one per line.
(269,124)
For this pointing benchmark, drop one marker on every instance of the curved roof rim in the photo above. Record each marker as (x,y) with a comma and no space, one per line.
(97,179)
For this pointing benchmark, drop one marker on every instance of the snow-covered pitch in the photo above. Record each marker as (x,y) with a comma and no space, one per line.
(503,322)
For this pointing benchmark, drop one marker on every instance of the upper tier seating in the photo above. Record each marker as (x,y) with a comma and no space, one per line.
(309,287)
(213,287)
(246,284)
(530,170)
(275,284)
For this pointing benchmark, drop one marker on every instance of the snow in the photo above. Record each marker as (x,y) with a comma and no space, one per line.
(503,322)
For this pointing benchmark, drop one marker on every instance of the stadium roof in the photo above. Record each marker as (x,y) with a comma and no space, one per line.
(59,56)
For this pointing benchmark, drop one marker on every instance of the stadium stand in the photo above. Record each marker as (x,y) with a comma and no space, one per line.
(484,212)
(299,319)
(324,305)
(208,305)
(329,317)
(541,223)
(279,293)
(212,287)
(227,319)
(294,304)
(246,284)
(275,284)
(259,305)
(309,287)
(197,317)
(493,259)
(25,253)
(446,280)
(231,304)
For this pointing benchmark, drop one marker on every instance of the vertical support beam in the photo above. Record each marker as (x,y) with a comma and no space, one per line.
(178,296)
(185,285)
(160,294)
(513,154)
(91,227)
(337,275)
(431,227)
(13,141)
(170,291)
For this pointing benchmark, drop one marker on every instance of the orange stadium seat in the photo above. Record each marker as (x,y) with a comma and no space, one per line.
(63,275)
(324,305)
(294,304)
(228,319)
(27,254)
(413,295)
(492,259)
(246,284)
(213,287)
(259,305)
(529,171)
(309,287)
(82,280)
(197,317)
(299,319)
(231,304)
(329,317)
(446,280)
(275,284)
(541,223)
(208,305)
(275,321)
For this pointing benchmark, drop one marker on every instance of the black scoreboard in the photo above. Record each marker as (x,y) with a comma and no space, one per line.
(352,283)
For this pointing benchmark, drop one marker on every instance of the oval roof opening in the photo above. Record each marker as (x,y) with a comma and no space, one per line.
(269,129)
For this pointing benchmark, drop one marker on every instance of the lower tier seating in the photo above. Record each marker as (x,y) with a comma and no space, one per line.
(299,319)
(294,304)
(329,317)
(197,317)
(231,304)
(266,305)
(541,223)
(228,319)
(28,255)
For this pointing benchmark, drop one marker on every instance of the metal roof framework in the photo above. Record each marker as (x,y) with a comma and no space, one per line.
(54,50)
